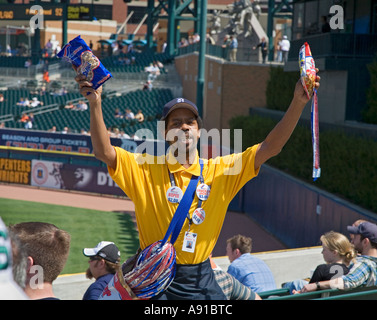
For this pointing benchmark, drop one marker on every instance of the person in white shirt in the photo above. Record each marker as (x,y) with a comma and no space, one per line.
(285,46)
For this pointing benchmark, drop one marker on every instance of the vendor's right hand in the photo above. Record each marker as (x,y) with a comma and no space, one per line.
(86,89)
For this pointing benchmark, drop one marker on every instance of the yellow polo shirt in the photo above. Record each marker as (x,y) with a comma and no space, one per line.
(145,180)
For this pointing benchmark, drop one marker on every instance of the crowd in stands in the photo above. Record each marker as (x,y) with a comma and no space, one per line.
(27,120)
(79,106)
(352,263)
(129,115)
(195,38)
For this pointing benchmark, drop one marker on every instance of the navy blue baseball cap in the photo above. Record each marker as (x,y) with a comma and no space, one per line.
(366,229)
(179,103)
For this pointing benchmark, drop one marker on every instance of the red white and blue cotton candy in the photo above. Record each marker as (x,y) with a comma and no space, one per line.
(308,76)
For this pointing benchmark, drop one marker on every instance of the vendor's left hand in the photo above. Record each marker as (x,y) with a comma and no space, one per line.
(300,93)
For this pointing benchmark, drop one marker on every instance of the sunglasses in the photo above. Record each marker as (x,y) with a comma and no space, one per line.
(95,258)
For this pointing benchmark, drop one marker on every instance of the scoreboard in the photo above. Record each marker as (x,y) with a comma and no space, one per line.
(49,11)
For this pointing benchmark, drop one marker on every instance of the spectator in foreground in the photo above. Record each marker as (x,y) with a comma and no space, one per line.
(338,253)
(232,288)
(47,249)
(103,264)
(363,272)
(12,266)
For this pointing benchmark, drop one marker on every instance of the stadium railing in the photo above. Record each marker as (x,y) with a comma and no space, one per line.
(273,293)
(370,294)
(330,293)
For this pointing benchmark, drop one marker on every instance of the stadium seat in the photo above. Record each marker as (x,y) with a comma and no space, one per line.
(368,294)
(331,294)
(277,292)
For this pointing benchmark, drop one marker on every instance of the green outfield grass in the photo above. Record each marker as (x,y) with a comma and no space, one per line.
(87,227)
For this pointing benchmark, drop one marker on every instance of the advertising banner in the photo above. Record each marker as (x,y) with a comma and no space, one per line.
(72,142)
(57,175)
(15,171)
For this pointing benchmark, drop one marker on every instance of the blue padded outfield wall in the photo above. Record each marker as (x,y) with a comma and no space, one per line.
(295,212)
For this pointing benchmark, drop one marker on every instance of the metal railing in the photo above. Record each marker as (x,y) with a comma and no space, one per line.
(244,54)
(337,45)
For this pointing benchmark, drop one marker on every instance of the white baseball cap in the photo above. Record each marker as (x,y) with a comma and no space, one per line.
(106,250)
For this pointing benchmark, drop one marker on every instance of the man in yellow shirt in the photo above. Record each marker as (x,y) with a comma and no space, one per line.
(156,184)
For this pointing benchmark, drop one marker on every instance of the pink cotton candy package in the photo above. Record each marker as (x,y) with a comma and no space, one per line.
(78,53)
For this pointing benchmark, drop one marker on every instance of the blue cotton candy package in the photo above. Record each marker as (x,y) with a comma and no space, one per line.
(79,54)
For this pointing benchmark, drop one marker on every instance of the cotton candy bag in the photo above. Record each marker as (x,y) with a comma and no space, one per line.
(308,75)
(79,54)
(307,69)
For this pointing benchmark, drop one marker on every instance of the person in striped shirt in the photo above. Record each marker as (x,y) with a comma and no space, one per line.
(232,288)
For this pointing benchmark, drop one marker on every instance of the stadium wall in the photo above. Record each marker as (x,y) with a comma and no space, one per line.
(230,88)
(296,212)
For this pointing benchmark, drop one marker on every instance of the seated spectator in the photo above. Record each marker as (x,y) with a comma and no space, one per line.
(42,90)
(148,85)
(53,129)
(338,254)
(115,133)
(2,125)
(24,102)
(47,249)
(356,224)
(158,64)
(232,288)
(139,116)
(65,130)
(69,105)
(246,268)
(84,132)
(153,71)
(363,272)
(129,114)
(81,106)
(24,118)
(35,102)
(13,266)
(103,264)
(27,119)
(117,113)
(28,63)
(1,97)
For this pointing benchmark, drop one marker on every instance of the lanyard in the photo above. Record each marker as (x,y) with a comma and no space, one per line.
(181,213)
(173,184)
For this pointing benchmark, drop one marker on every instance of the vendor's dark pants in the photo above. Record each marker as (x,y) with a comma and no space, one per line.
(193,282)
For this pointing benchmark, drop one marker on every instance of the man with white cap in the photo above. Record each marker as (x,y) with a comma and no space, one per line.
(103,263)
(363,272)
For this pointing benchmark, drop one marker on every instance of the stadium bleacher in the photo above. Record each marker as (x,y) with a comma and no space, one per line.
(360,293)
(142,59)
(149,102)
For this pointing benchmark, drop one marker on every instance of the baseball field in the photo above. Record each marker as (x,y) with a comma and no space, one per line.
(87,227)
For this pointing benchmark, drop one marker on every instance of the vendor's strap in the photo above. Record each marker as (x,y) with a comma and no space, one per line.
(180,215)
